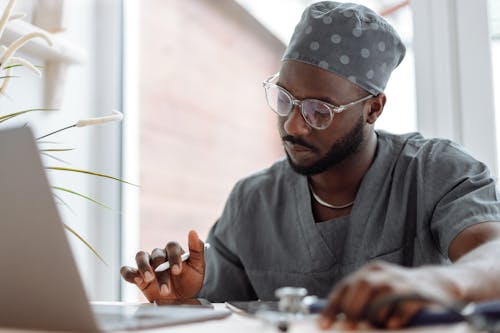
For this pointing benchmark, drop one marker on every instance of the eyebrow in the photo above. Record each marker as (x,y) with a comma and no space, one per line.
(327,100)
(319,98)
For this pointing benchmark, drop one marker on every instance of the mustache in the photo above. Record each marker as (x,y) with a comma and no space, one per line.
(298,141)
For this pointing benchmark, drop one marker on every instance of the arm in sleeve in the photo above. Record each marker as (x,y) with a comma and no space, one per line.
(462,193)
(225,277)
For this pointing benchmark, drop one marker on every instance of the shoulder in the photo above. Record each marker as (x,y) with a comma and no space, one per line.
(411,142)
(278,175)
(429,151)
(254,198)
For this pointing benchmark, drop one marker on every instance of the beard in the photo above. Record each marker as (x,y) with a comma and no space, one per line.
(338,152)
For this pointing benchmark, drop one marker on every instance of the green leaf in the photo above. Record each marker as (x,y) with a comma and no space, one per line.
(12,66)
(56,149)
(20,65)
(49,142)
(54,157)
(18,113)
(81,195)
(67,227)
(64,203)
(90,173)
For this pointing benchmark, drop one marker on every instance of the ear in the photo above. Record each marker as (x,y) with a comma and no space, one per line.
(375,107)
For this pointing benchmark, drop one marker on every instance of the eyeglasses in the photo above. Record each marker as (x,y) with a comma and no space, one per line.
(316,113)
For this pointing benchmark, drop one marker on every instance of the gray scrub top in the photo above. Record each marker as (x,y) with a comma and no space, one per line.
(417,195)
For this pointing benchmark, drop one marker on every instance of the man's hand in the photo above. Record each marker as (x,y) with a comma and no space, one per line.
(385,295)
(182,280)
(473,277)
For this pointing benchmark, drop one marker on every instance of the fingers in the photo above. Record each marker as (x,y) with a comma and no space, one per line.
(382,307)
(144,267)
(195,244)
(158,257)
(332,310)
(164,283)
(402,314)
(396,310)
(353,303)
(355,300)
(129,274)
(196,252)
(132,275)
(378,294)
(174,282)
(174,252)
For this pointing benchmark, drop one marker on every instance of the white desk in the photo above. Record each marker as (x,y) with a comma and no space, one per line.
(240,324)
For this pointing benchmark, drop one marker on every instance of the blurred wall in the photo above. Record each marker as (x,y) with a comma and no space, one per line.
(204,121)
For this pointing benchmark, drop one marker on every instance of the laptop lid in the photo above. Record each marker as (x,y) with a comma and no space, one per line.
(40,286)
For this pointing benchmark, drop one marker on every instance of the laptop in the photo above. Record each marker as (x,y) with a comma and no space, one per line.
(40,286)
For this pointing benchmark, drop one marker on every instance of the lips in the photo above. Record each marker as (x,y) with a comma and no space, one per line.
(297,148)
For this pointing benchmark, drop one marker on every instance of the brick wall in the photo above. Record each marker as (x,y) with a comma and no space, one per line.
(204,121)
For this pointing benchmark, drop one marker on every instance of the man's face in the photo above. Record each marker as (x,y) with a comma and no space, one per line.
(311,151)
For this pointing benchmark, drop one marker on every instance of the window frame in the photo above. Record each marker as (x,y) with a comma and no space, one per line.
(451,57)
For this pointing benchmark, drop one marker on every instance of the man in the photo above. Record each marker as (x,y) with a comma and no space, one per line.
(392,223)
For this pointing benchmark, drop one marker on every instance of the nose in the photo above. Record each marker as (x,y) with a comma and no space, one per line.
(295,124)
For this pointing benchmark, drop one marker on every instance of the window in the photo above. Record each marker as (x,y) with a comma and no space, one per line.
(202,119)
(91,88)
(494,11)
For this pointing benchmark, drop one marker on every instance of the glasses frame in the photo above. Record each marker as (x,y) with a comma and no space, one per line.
(299,103)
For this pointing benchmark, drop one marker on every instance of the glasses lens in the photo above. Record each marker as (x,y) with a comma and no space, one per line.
(316,113)
(278,100)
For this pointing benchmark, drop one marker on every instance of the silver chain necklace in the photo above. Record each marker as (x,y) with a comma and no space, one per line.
(326,204)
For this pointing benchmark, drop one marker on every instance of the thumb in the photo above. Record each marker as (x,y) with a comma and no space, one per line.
(196,250)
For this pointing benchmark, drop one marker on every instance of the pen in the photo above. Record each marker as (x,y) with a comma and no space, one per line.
(184,257)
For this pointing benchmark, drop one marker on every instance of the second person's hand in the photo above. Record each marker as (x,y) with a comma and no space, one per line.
(385,295)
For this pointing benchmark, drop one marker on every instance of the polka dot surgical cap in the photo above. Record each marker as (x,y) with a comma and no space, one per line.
(349,40)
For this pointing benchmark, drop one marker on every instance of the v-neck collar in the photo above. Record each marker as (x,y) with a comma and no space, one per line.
(322,257)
